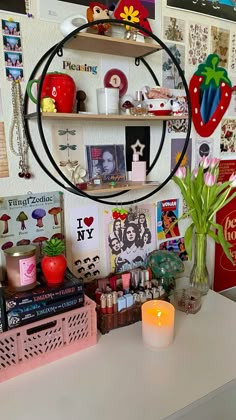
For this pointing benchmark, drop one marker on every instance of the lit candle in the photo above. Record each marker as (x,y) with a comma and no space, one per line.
(157,323)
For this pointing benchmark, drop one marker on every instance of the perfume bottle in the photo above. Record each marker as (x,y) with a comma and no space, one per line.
(140,106)
(138,169)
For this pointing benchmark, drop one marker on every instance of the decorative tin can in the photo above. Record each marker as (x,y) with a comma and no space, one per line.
(21,267)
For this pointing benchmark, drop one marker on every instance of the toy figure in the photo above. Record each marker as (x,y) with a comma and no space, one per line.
(97,11)
(48,104)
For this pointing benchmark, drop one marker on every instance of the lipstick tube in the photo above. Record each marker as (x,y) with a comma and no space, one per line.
(103,301)
(115,301)
(109,304)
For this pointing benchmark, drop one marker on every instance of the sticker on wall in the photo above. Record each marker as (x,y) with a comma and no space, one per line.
(174,29)
(171,77)
(177,145)
(220,45)
(177,246)
(228,136)
(4,170)
(130,236)
(167,213)
(198,42)
(12,46)
(221,9)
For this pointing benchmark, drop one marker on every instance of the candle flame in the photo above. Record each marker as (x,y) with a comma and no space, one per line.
(159,313)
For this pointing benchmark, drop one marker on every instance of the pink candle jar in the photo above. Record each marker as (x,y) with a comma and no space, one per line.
(21,267)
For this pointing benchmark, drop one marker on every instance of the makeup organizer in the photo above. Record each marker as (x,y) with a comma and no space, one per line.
(113,314)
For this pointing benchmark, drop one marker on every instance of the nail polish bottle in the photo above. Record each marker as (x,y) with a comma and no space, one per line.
(138,169)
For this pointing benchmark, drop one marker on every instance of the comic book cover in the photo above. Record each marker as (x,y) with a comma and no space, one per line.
(167,213)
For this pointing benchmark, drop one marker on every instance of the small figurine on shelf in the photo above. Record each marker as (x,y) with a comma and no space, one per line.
(48,104)
(132,11)
(97,11)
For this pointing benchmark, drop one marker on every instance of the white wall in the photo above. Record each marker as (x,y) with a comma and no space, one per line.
(37,37)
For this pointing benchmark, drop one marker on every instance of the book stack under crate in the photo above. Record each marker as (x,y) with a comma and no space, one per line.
(44,324)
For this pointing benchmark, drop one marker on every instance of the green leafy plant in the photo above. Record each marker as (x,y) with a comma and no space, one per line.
(53,247)
(204,196)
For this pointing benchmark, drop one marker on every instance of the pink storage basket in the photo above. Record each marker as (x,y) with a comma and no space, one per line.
(33,345)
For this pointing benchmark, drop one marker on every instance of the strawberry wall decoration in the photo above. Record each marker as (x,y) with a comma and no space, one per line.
(210,94)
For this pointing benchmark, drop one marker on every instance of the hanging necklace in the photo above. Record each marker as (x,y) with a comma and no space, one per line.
(21,147)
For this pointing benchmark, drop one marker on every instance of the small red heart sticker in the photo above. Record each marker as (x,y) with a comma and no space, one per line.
(88,221)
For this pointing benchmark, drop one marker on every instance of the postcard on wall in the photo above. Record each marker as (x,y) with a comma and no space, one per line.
(130,236)
(203,148)
(84,239)
(167,213)
(228,136)
(12,46)
(220,44)
(108,161)
(170,74)
(177,246)
(177,145)
(15,6)
(221,9)
(173,29)
(197,37)
(30,219)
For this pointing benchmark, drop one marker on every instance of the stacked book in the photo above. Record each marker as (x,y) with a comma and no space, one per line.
(20,308)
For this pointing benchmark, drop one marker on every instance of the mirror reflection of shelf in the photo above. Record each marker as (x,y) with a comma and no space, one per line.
(103,117)
(119,186)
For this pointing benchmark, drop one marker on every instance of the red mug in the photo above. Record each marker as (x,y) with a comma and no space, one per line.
(58,86)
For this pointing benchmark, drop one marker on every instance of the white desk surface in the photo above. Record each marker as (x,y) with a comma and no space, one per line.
(120,379)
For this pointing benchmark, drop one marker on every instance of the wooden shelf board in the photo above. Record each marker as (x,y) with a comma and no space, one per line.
(101,117)
(120,186)
(104,44)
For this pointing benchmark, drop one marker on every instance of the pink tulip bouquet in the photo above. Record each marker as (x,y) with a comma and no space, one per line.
(204,196)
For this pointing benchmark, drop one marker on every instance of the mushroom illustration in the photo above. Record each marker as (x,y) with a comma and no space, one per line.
(4,218)
(21,218)
(57,236)
(38,214)
(54,211)
(7,245)
(23,242)
(39,240)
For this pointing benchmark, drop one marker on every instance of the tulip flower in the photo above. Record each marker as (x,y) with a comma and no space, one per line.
(204,196)
(209,179)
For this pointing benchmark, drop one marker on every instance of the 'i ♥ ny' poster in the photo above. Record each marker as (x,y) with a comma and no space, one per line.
(84,236)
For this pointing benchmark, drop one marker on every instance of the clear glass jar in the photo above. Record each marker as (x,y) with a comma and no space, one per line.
(140,106)
(21,267)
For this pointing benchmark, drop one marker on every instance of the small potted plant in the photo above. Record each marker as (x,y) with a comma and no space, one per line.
(54,262)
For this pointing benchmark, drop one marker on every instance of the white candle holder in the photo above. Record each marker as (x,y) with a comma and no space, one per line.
(157,324)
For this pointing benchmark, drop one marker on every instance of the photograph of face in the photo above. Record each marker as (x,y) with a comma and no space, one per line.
(108,161)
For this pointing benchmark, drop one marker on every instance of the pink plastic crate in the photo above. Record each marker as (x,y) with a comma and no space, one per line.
(25,348)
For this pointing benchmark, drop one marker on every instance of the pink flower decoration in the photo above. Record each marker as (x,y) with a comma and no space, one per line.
(209,179)
(181,172)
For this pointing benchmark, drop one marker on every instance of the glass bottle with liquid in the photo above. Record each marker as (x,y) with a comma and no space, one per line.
(140,106)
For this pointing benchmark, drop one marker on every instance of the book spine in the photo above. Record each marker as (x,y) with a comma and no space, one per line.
(17,317)
(3,321)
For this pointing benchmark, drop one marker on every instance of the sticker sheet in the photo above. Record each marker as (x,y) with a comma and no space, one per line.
(130,236)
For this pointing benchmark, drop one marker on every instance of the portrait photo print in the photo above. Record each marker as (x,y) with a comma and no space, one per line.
(107,161)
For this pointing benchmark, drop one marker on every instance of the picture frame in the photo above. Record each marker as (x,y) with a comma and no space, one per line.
(107,161)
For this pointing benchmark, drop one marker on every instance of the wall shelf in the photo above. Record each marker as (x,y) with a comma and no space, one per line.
(101,117)
(107,45)
(120,186)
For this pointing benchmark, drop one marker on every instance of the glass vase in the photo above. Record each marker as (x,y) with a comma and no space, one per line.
(199,276)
